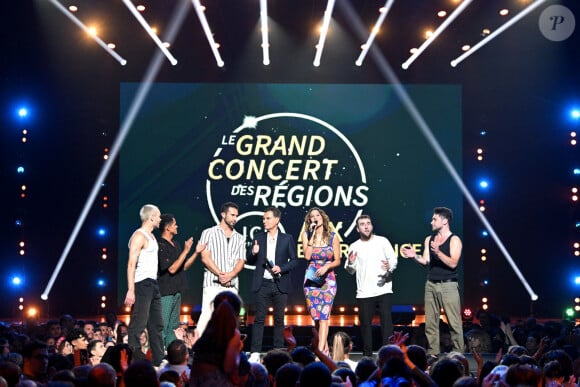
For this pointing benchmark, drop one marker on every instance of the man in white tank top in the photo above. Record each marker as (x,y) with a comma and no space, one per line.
(143,291)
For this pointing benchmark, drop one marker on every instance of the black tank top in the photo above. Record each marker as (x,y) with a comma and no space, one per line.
(439,271)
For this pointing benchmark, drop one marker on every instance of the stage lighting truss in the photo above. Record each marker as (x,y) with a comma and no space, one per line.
(447,16)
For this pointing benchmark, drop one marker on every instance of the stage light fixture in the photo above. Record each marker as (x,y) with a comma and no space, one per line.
(432,35)
(383,11)
(22,112)
(75,20)
(575,114)
(504,12)
(32,312)
(323,32)
(502,28)
(467,315)
(16,281)
(199,10)
(101,282)
(149,31)
(442,14)
(577,280)
(102,232)
(576,171)
(20,170)
(485,282)
(483,184)
(264,24)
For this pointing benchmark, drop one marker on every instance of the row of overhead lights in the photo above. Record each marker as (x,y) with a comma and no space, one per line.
(200,10)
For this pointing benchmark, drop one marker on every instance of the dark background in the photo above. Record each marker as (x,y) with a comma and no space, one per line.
(518,89)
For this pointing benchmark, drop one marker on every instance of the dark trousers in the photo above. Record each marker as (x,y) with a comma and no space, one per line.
(147,313)
(268,294)
(366,311)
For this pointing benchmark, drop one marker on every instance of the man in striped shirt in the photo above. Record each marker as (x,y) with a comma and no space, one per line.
(224,257)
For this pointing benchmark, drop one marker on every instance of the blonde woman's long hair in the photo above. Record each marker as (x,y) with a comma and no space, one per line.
(341,343)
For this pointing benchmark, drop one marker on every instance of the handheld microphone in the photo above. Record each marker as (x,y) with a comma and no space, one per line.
(313,226)
(271,265)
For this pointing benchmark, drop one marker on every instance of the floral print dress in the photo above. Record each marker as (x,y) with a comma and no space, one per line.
(319,299)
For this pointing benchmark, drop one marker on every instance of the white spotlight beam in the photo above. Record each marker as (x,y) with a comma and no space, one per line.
(264,25)
(501,29)
(383,14)
(75,20)
(323,32)
(149,30)
(436,33)
(407,102)
(208,34)
(152,71)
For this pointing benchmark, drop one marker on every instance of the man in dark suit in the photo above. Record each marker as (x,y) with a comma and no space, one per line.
(274,255)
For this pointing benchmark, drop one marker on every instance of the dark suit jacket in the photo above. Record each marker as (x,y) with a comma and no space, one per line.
(285,257)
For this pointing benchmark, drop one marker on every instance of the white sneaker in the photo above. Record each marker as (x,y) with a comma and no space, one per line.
(254,357)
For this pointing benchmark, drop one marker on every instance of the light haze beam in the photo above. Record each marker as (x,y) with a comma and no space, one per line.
(145,86)
(391,77)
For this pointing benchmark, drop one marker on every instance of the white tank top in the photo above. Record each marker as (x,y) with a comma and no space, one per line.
(148,259)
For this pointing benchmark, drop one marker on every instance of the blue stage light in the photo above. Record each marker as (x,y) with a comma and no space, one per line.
(22,112)
(101,282)
(575,113)
(16,281)
(576,171)
(483,133)
(18,223)
(20,169)
(577,280)
(483,184)
(102,232)
(484,233)
(485,282)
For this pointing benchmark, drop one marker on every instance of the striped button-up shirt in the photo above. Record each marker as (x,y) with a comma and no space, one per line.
(225,253)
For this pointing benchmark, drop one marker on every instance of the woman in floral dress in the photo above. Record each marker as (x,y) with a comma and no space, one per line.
(321,248)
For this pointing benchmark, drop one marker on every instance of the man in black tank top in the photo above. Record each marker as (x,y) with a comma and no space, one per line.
(441,252)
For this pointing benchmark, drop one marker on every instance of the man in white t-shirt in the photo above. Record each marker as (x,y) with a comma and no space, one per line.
(373,260)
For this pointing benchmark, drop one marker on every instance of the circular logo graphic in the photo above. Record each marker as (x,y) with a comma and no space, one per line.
(557,23)
(292,161)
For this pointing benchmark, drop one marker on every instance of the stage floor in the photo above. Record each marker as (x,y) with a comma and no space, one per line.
(301,320)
